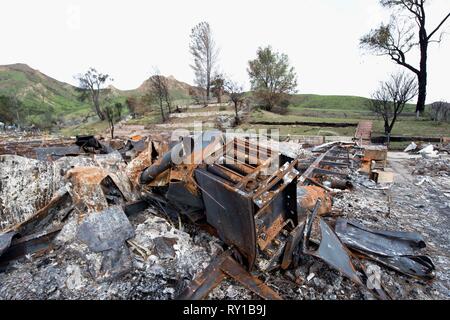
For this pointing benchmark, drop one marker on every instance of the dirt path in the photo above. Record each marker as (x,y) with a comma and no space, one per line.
(396,161)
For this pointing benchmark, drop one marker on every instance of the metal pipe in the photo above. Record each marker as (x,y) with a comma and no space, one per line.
(150,173)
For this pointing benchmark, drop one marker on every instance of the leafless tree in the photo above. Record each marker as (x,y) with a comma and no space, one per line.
(159,91)
(440,111)
(90,86)
(236,94)
(402,34)
(205,54)
(389,100)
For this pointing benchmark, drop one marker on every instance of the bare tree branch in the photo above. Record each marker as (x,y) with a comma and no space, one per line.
(389,100)
(439,26)
(396,41)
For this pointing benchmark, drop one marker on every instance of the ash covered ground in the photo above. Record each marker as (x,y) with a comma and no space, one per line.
(166,255)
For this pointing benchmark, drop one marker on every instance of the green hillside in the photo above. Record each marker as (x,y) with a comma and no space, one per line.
(329,102)
(48,103)
(44,100)
(334,106)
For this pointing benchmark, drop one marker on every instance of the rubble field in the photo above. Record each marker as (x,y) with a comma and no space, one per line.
(100,219)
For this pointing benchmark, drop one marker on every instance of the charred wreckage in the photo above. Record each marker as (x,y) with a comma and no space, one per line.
(268,206)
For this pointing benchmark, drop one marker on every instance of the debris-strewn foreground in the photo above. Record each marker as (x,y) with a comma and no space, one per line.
(121,220)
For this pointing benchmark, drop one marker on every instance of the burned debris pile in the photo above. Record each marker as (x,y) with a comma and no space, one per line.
(206,216)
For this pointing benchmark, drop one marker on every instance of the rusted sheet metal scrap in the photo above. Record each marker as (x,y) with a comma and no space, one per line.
(394,249)
(222,266)
(335,254)
(95,188)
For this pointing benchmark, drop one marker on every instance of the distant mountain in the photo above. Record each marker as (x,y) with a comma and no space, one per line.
(43,98)
(46,101)
(178,89)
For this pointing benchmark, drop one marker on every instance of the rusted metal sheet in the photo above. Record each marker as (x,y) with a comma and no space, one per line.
(95,188)
(208,279)
(395,249)
(138,164)
(330,249)
(86,190)
(292,244)
(238,273)
(221,267)
(382,242)
(231,213)
(307,197)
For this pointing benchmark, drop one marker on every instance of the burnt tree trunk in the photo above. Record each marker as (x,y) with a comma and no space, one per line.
(422,79)
(387,129)
(422,75)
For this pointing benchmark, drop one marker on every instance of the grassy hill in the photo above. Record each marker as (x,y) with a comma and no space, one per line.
(44,100)
(329,102)
(47,102)
(335,106)
(349,109)
(179,91)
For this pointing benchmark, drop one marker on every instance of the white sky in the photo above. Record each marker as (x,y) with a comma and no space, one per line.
(127,38)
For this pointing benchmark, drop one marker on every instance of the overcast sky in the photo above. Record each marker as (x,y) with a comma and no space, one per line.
(126,38)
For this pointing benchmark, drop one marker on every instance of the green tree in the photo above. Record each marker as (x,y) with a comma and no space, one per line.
(217,87)
(91,85)
(113,114)
(271,76)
